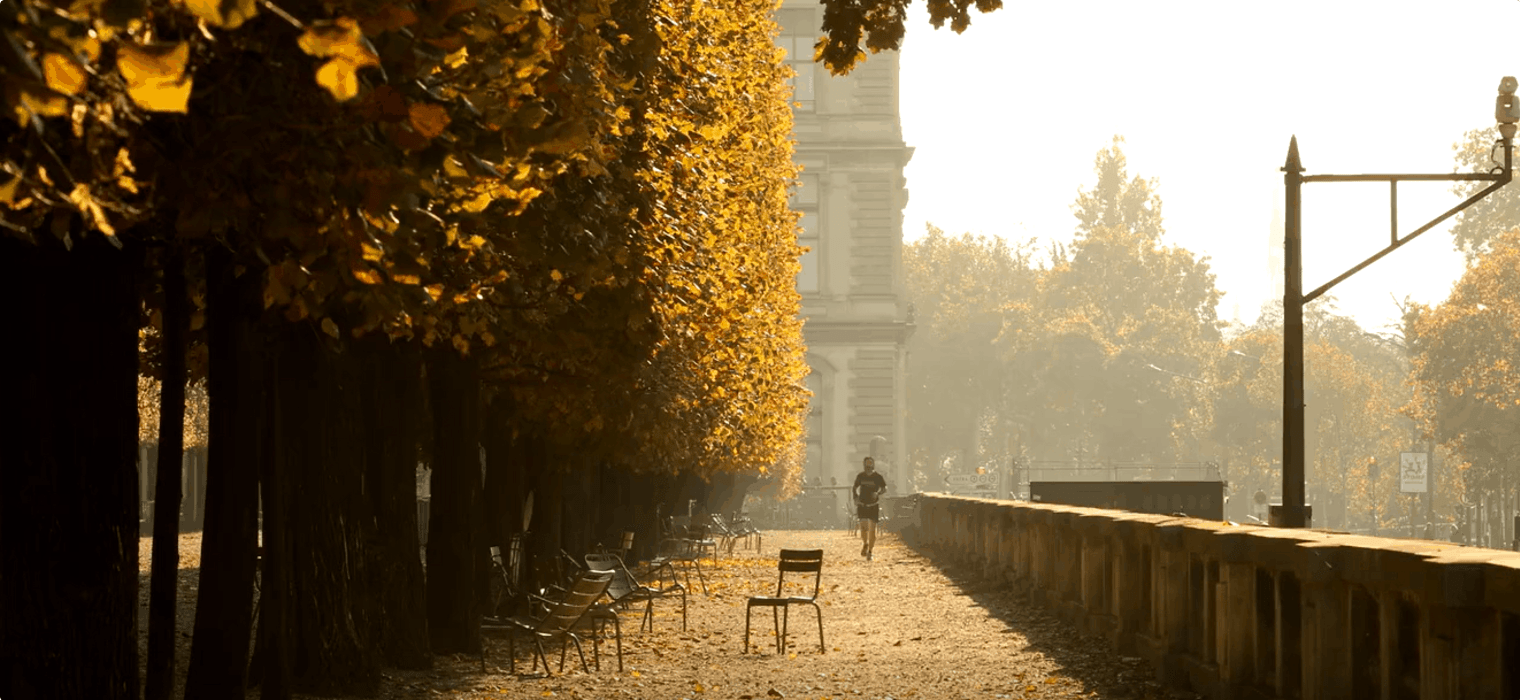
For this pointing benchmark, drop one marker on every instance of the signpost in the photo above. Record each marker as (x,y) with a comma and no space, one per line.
(980,485)
(1414,472)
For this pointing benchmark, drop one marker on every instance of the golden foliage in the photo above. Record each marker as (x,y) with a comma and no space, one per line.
(155,75)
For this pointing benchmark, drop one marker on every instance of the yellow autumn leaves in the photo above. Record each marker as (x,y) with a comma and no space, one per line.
(158,79)
(343,44)
(155,75)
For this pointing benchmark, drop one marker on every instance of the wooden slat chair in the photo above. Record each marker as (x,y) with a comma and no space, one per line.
(558,622)
(794,561)
(625,588)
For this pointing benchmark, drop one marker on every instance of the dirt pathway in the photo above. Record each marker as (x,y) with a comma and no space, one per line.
(897,627)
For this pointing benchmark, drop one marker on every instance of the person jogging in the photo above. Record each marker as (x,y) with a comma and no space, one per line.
(867,492)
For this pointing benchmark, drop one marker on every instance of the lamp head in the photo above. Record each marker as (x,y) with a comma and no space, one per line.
(1507,106)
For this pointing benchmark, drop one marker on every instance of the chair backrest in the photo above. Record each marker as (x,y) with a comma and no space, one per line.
(622,582)
(569,609)
(721,527)
(800,561)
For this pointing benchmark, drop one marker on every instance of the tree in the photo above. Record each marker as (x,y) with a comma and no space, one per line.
(69,515)
(852,27)
(1466,386)
(1118,201)
(1480,224)
(967,293)
(585,200)
(1128,326)
(1354,387)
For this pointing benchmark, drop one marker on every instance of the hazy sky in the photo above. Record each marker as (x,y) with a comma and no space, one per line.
(1007,118)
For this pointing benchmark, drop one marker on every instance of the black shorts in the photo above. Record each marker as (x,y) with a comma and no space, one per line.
(868,512)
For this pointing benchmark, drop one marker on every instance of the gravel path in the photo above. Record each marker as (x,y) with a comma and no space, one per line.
(897,627)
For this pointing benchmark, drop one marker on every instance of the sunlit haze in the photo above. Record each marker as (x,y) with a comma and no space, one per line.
(1007,118)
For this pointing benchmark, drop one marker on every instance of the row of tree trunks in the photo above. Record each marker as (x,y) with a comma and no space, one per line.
(454,555)
(171,447)
(235,390)
(68,507)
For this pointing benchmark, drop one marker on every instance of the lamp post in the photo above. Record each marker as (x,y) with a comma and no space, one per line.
(1507,113)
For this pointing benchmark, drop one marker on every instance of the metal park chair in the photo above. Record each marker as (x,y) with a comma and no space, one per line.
(626,589)
(557,622)
(794,561)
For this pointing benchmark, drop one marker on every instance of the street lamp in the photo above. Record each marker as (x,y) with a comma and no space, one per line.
(1507,113)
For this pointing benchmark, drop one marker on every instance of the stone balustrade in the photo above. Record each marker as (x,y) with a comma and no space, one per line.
(1233,611)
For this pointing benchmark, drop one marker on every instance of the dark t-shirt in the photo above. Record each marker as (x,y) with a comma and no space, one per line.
(868,487)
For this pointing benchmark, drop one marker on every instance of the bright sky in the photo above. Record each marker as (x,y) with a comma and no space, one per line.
(1007,118)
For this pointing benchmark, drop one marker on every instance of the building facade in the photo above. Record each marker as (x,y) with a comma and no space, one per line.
(851,196)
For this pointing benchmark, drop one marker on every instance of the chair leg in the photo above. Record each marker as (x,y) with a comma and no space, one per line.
(785,615)
(579,653)
(747,610)
(776,627)
(538,646)
(617,628)
(648,616)
(819,610)
(683,610)
(700,578)
(596,643)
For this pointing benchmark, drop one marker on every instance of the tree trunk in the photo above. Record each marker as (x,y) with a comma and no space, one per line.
(272,658)
(224,607)
(453,552)
(548,517)
(579,506)
(332,650)
(505,488)
(171,441)
(393,394)
(68,507)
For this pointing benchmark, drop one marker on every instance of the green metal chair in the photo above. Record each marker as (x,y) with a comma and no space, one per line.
(793,561)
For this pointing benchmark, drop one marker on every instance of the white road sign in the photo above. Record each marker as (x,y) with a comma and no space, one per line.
(982,485)
(1414,472)
(971,479)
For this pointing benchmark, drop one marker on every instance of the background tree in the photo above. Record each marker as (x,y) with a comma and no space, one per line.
(967,292)
(1466,387)
(1477,226)
(1129,324)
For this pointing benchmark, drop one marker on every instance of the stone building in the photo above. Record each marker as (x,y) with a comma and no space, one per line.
(851,196)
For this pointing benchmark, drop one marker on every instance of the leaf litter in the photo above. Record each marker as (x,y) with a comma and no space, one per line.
(969,638)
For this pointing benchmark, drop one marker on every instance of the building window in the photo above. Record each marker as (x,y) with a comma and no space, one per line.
(799,57)
(799,31)
(807,237)
(814,466)
(805,200)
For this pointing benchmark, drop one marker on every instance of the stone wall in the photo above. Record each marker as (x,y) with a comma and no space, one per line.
(1233,611)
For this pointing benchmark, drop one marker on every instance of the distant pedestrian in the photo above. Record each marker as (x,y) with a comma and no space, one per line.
(867,491)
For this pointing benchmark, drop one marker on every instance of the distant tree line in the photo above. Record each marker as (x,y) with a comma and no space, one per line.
(1109,351)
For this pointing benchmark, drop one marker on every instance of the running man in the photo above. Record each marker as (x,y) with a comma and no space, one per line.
(867,491)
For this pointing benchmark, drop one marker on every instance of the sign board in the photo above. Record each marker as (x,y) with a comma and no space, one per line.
(1414,472)
(974,484)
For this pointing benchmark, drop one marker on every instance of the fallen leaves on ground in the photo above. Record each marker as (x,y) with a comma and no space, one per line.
(902,627)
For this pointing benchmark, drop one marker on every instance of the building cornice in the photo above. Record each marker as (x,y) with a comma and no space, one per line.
(818,331)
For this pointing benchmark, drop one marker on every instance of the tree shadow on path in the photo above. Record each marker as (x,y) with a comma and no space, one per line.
(1085,658)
